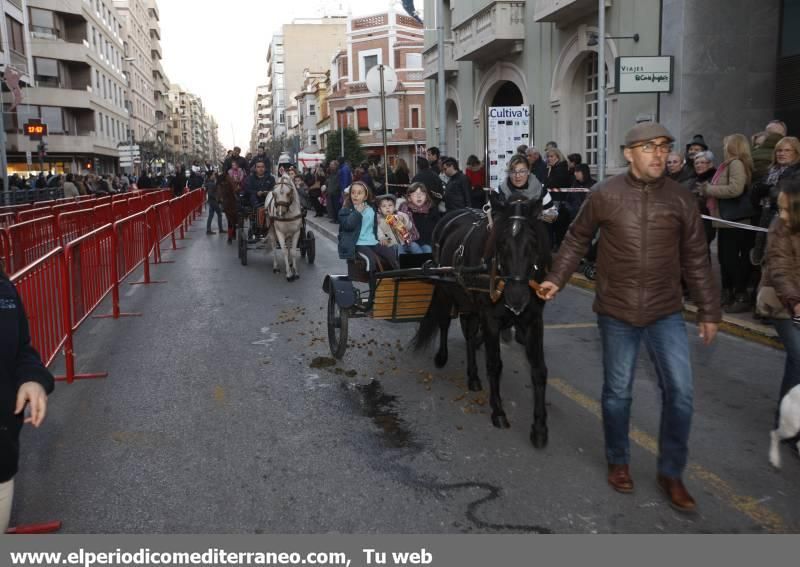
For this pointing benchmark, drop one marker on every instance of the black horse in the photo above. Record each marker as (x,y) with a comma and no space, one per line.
(497,269)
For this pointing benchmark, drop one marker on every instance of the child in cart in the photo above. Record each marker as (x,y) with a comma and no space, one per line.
(358,230)
(395,229)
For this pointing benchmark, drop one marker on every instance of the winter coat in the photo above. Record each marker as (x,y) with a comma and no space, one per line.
(212,190)
(763,154)
(70,190)
(349,231)
(651,235)
(782,259)
(386,232)
(539,169)
(195,181)
(424,223)
(254,185)
(728,188)
(431,181)
(19,363)
(558,177)
(457,193)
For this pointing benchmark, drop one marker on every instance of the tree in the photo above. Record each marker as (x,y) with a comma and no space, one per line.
(352,146)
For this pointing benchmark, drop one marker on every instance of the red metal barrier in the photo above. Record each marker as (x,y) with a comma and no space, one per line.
(119,209)
(134,240)
(29,241)
(15,208)
(4,250)
(41,285)
(74,224)
(66,207)
(30,214)
(7,219)
(103,215)
(161,230)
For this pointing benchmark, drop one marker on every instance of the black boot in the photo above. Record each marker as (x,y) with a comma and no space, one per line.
(741,304)
(727,297)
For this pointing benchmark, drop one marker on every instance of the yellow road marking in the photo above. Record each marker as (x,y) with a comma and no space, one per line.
(572,326)
(747,505)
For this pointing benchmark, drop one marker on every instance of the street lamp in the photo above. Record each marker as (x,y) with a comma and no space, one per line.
(348,110)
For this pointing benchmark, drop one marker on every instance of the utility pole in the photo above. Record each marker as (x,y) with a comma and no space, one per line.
(440,77)
(601,90)
(4,158)
(383,132)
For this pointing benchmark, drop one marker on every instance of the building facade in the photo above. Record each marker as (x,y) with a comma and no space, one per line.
(303,44)
(194,133)
(544,53)
(307,103)
(262,118)
(393,39)
(77,51)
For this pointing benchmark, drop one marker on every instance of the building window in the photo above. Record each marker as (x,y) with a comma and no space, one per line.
(312,139)
(590,112)
(43,23)
(414,121)
(413,60)
(312,109)
(367,59)
(16,37)
(363,120)
(100,117)
(46,73)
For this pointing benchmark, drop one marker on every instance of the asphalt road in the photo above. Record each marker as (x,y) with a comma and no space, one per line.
(216,418)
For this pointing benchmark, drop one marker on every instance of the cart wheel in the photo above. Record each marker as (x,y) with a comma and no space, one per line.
(242,248)
(337,327)
(590,271)
(311,245)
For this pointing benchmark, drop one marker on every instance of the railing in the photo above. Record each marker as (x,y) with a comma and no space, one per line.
(28,241)
(42,289)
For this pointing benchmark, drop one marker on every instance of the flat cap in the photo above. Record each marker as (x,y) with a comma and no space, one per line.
(646,131)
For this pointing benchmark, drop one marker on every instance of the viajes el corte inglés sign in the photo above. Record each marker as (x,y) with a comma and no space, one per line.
(644,74)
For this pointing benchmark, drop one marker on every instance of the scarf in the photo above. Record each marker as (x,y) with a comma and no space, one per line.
(711,202)
(423,209)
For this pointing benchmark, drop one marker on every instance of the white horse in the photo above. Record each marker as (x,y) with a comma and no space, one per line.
(286,219)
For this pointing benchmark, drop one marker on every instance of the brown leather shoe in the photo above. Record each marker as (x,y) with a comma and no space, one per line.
(619,477)
(679,497)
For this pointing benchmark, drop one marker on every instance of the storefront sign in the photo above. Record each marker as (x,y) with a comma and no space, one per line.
(644,74)
(507,128)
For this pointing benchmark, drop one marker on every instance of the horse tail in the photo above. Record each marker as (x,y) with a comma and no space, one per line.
(438,314)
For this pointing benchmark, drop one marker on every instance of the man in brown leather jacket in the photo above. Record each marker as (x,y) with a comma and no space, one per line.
(650,233)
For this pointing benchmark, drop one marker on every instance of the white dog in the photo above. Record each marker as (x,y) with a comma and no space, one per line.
(788,425)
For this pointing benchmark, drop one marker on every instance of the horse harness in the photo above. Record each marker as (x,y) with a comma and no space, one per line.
(497,283)
(286,205)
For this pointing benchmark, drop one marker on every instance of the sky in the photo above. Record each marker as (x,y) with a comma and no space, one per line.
(221,54)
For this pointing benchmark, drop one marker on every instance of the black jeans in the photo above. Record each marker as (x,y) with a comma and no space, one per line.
(733,247)
(214,209)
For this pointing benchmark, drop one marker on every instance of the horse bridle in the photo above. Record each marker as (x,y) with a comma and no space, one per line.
(497,283)
(284,205)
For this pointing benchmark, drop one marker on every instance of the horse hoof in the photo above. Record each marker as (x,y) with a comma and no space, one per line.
(539,438)
(440,360)
(474,385)
(276,271)
(500,421)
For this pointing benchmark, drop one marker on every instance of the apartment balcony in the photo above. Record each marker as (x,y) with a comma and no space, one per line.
(61,50)
(562,12)
(20,61)
(48,96)
(430,60)
(498,28)
(155,51)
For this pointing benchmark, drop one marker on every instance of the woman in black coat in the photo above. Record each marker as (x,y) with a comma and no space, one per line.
(24,381)
(558,177)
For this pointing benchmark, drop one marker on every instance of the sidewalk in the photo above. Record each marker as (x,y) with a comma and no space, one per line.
(742,325)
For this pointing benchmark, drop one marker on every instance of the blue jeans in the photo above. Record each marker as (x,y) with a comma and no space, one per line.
(668,346)
(790,337)
(410,248)
(214,209)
